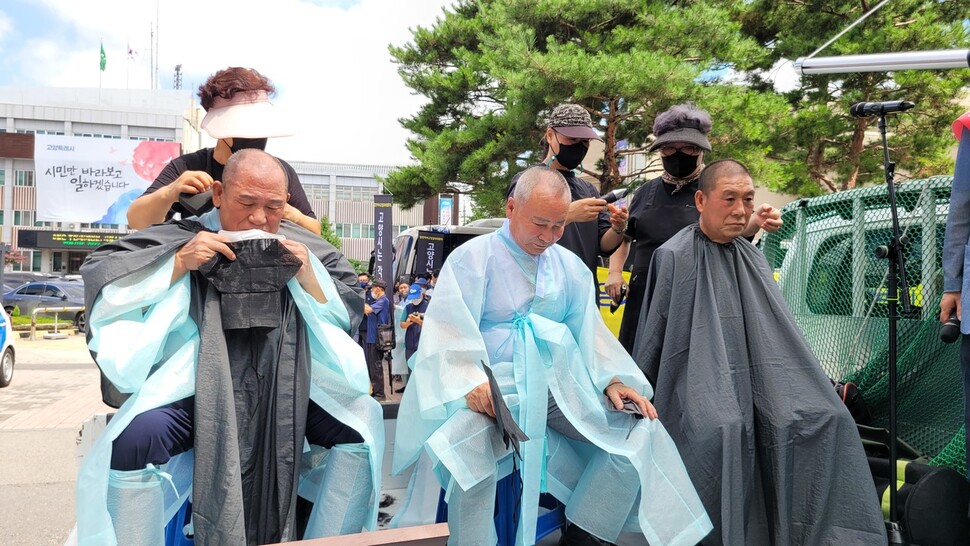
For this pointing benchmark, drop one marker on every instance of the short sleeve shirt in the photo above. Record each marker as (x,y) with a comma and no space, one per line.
(202,160)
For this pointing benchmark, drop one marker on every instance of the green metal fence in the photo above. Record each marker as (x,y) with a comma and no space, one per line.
(836,287)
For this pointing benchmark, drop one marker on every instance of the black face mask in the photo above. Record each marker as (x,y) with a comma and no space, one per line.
(680,164)
(246,143)
(571,155)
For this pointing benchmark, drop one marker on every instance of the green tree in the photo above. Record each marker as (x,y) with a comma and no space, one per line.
(821,147)
(491,69)
(328,234)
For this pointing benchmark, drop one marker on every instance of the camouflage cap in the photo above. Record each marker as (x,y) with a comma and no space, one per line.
(573,121)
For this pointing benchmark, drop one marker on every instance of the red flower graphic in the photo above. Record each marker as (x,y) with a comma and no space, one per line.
(149,158)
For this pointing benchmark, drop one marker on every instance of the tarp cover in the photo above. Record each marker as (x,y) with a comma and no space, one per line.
(772,451)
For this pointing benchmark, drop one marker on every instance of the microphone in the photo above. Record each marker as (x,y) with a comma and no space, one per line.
(864,109)
(950,330)
(613,196)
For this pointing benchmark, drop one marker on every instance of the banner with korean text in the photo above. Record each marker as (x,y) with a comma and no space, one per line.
(94,180)
(383,259)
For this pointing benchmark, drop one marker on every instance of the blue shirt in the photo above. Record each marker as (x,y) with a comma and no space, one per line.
(381,315)
(413,333)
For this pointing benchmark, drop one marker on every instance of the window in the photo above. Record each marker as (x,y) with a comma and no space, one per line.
(32,289)
(3,176)
(31,261)
(24,178)
(368,231)
(404,228)
(344,193)
(317,191)
(356,231)
(23,217)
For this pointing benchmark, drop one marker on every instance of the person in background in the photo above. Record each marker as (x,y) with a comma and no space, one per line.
(663,206)
(955,290)
(412,319)
(238,115)
(401,293)
(363,280)
(593,228)
(378,313)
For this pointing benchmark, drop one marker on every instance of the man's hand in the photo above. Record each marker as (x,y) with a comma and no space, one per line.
(765,217)
(191,182)
(305,276)
(618,217)
(480,400)
(200,250)
(617,392)
(949,304)
(614,285)
(368,309)
(414,318)
(300,251)
(585,210)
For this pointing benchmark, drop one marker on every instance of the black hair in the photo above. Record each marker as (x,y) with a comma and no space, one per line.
(718,169)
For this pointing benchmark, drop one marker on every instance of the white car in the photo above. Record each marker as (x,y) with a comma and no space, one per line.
(6,346)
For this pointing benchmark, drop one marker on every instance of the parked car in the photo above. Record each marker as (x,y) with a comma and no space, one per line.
(7,354)
(50,293)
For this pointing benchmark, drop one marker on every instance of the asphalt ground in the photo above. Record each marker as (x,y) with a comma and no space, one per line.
(55,384)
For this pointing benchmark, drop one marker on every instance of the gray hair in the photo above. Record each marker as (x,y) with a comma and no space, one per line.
(534,176)
(680,116)
(251,159)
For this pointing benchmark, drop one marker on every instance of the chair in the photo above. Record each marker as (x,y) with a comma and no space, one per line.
(174,534)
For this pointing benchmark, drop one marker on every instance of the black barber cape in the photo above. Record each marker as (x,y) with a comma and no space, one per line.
(252,382)
(774,454)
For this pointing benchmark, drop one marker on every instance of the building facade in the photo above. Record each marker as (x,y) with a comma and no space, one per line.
(342,193)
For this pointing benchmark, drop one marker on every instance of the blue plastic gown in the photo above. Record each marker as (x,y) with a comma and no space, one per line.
(534,320)
(151,316)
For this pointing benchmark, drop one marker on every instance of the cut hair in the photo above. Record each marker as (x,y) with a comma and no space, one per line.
(533,176)
(717,170)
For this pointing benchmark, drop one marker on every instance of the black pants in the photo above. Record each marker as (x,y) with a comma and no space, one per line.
(631,311)
(159,434)
(375,368)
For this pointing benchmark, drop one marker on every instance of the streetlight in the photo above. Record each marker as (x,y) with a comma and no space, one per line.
(885,62)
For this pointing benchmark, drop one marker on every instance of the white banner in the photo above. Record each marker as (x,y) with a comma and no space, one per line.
(94,180)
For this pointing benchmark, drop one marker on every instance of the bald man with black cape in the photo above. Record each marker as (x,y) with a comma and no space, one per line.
(774,454)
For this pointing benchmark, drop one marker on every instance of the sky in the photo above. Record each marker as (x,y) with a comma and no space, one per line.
(329,59)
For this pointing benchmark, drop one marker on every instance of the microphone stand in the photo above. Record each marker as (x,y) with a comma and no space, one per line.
(897,293)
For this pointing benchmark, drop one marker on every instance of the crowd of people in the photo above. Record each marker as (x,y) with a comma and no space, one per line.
(709,421)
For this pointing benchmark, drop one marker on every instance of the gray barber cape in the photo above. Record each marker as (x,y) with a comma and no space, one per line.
(774,454)
(252,389)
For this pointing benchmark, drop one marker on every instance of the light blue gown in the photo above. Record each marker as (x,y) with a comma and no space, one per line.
(147,345)
(534,320)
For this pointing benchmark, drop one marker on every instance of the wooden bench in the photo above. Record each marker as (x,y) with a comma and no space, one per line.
(422,535)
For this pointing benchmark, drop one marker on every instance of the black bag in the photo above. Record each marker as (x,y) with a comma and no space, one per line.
(852,399)
(931,501)
(385,337)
